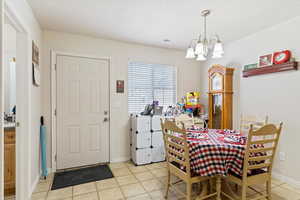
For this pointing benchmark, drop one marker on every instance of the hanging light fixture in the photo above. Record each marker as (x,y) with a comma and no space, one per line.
(202,47)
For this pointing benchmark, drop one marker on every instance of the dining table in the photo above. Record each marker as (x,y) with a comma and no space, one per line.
(216,153)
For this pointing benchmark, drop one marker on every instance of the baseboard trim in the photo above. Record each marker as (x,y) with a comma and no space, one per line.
(120,159)
(36,181)
(286,179)
(50,171)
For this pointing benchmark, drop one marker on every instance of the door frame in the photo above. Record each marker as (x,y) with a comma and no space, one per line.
(53,66)
(23,136)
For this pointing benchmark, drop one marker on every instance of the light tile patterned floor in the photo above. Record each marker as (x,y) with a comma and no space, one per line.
(136,183)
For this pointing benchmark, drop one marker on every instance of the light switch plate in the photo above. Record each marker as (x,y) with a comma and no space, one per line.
(281,156)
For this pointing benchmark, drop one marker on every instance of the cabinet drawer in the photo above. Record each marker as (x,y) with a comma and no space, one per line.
(157,139)
(155,123)
(141,156)
(142,140)
(158,154)
(9,137)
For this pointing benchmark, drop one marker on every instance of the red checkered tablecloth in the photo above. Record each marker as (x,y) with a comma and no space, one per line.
(210,155)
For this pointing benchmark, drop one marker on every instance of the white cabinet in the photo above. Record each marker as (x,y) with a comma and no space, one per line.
(146,139)
(141,156)
(155,123)
(158,154)
(157,139)
(141,139)
(140,123)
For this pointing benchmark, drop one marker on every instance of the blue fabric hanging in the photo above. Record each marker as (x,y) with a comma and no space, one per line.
(43,142)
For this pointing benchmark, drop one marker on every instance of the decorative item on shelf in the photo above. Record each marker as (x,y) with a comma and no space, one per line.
(281,57)
(120,86)
(271,63)
(191,104)
(201,47)
(192,100)
(265,60)
(289,66)
(250,66)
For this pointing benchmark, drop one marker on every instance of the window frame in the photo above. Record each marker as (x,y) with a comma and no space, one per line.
(153,63)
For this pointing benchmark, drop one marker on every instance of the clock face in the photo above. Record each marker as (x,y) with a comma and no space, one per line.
(216,82)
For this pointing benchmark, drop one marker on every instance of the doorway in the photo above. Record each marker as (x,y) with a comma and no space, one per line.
(10,53)
(82,112)
(17,152)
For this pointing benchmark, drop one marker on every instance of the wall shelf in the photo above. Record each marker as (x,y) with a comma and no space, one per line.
(271,69)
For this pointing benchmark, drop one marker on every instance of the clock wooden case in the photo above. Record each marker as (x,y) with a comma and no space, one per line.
(220,97)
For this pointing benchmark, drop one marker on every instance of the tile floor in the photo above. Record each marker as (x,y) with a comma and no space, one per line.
(136,183)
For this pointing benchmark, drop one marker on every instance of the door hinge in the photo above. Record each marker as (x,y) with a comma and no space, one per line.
(55,112)
(55,67)
(55,158)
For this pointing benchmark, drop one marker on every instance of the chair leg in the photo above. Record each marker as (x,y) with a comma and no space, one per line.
(236,188)
(189,191)
(168,184)
(269,186)
(244,191)
(211,185)
(218,187)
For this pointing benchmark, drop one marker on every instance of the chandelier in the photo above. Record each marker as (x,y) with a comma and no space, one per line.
(201,48)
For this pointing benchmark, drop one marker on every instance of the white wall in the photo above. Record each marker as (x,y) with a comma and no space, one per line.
(120,53)
(10,51)
(28,21)
(274,94)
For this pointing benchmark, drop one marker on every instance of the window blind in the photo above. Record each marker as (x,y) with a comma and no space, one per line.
(149,82)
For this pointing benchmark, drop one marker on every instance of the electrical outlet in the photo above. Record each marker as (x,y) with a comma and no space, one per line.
(281,156)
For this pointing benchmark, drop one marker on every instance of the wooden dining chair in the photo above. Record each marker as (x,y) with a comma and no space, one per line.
(184,119)
(247,120)
(258,162)
(200,123)
(178,160)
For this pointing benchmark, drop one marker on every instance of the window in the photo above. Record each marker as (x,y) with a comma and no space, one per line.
(149,82)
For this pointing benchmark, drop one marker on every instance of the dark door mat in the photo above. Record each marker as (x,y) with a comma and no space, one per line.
(80,176)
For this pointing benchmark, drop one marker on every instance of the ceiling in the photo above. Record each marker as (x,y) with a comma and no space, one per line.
(152,21)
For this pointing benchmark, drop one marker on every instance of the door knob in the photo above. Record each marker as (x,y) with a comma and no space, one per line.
(17,124)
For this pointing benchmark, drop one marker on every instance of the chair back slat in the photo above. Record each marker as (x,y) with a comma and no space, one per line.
(265,141)
(175,139)
(260,152)
(259,166)
(171,126)
(257,150)
(177,145)
(260,158)
(269,129)
(177,148)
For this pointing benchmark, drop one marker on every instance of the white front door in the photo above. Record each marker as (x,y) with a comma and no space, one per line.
(82,111)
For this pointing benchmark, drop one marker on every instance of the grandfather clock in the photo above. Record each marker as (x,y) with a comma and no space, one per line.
(220,97)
